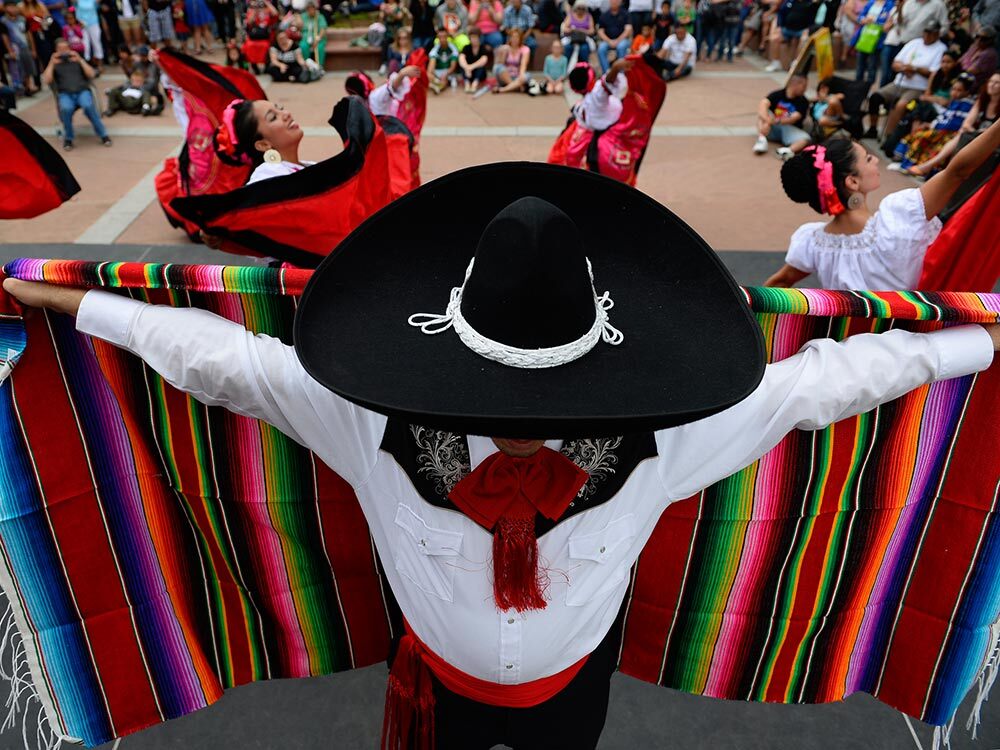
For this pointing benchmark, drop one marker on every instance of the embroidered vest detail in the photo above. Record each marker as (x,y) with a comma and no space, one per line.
(435,461)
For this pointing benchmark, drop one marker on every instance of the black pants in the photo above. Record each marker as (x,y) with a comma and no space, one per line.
(571,720)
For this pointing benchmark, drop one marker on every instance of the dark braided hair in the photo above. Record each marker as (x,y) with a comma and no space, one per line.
(798,174)
(244,150)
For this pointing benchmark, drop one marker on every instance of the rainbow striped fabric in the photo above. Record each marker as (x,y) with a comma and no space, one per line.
(157,551)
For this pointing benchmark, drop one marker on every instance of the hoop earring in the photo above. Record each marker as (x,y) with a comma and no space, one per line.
(854,201)
(271,156)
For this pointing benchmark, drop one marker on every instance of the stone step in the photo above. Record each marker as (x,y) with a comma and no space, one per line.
(345,33)
(341,56)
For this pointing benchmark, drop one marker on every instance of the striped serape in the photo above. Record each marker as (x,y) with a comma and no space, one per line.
(157,551)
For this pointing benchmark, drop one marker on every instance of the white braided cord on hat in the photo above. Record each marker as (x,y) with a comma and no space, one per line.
(431,323)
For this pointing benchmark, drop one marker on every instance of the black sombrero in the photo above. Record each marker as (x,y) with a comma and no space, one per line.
(689,345)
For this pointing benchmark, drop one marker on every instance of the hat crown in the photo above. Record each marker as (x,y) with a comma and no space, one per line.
(530,287)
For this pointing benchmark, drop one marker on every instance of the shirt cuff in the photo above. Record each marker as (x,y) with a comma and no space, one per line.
(107,316)
(962,350)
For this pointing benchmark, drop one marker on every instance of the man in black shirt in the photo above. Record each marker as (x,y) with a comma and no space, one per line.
(70,75)
(614,31)
(779,119)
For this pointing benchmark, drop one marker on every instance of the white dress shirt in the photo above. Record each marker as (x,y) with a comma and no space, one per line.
(437,561)
(266,171)
(601,107)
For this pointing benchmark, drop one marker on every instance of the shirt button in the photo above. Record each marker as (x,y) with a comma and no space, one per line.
(510,666)
(423,543)
(602,550)
(510,620)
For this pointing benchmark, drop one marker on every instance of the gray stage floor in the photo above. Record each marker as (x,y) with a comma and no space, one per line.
(345,711)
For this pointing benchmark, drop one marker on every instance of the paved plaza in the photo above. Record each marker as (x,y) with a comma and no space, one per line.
(698,164)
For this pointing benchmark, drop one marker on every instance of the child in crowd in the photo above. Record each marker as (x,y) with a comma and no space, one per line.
(927,139)
(474,61)
(234,56)
(554,69)
(643,41)
(827,112)
(662,25)
(442,63)
(181,28)
(133,97)
(74,33)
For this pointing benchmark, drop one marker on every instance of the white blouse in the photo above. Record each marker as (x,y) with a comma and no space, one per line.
(266,171)
(887,254)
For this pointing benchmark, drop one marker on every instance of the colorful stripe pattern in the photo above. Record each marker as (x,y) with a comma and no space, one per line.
(162,551)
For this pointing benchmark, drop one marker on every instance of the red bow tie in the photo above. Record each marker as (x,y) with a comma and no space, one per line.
(503,494)
(505,486)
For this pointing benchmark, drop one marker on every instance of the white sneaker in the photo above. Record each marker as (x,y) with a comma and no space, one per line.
(773,67)
(760,147)
(784,153)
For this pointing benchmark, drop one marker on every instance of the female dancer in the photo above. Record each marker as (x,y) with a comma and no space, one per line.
(859,248)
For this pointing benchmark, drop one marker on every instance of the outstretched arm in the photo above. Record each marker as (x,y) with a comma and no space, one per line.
(220,363)
(939,189)
(825,382)
(786,276)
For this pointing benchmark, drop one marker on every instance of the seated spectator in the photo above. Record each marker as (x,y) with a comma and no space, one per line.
(313,42)
(924,143)
(914,65)
(983,114)
(663,25)
(394,16)
(70,75)
(577,31)
(287,62)
(511,64)
(442,62)
(980,60)
(554,69)
(780,116)
(930,104)
(643,41)
(519,15)
(679,53)
(827,113)
(18,52)
(614,32)
(452,16)
(399,51)
(133,97)
(549,15)
(423,23)
(474,61)
(487,16)
(793,18)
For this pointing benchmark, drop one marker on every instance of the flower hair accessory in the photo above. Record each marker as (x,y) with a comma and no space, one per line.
(829,200)
(226,141)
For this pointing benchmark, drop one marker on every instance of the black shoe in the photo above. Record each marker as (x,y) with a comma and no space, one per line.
(106,141)
(108,113)
(870,133)
(67,145)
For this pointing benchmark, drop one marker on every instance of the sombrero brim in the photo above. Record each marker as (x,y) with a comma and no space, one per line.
(692,347)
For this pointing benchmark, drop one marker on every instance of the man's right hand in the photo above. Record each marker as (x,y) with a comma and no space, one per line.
(61,299)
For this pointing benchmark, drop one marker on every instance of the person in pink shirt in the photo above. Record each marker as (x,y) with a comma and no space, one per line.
(487,17)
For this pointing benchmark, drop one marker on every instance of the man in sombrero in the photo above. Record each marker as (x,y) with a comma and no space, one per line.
(460,387)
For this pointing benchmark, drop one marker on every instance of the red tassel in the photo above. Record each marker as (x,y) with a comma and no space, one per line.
(518,583)
(408,723)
